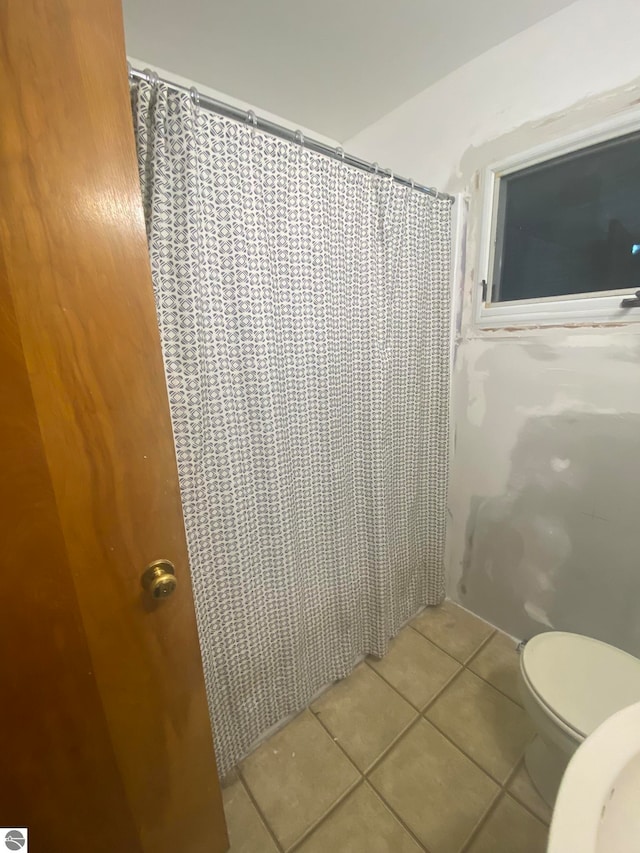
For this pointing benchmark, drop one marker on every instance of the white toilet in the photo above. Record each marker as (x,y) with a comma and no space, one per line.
(570,684)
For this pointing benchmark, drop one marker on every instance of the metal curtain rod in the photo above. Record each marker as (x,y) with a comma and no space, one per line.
(249,117)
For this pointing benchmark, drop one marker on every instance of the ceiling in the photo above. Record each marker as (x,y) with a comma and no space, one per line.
(334,66)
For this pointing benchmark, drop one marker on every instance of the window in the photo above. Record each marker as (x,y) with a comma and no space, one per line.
(563,241)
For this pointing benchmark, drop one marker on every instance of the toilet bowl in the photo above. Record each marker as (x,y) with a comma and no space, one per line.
(570,684)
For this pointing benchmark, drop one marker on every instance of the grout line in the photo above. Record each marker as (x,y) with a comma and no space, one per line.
(261,814)
(422,711)
(513,771)
(440,692)
(417,708)
(361,782)
(472,613)
(390,745)
(469,657)
(482,678)
(515,796)
(323,817)
(336,742)
(395,689)
(461,666)
(501,787)
(360,779)
(500,790)
(518,803)
(363,776)
(461,749)
(366,780)
(396,816)
(482,820)
(351,788)
(433,643)
(497,689)
(375,764)
(477,651)
(466,755)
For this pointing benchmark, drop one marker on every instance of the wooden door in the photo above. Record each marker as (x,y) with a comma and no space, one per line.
(106,742)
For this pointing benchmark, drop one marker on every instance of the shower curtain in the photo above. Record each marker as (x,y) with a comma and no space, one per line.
(304,314)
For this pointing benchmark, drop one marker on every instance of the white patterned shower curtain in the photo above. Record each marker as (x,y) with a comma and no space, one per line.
(304,313)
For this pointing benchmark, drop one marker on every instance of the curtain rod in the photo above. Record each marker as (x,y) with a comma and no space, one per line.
(249,117)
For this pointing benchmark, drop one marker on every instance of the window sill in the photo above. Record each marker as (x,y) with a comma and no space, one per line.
(597,310)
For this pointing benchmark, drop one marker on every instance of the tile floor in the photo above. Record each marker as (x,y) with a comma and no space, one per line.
(419,751)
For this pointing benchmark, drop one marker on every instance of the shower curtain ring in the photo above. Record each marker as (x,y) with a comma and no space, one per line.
(413,184)
(340,153)
(151,76)
(299,136)
(251,116)
(375,168)
(436,193)
(195,96)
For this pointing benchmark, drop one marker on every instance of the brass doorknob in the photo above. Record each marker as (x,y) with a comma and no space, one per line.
(159,578)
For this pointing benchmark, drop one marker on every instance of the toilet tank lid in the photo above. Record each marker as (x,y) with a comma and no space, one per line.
(583,681)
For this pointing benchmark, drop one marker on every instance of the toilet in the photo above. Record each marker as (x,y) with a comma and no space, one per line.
(570,684)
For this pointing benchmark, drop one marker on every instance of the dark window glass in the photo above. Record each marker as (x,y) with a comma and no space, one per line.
(570,225)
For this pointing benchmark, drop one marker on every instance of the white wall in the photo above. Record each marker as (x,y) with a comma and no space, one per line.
(544,497)
(588,48)
(174,77)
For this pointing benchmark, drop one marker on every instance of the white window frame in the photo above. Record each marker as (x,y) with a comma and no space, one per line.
(587,308)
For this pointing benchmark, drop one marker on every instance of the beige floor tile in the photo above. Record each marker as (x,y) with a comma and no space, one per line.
(499,663)
(490,728)
(247,832)
(360,824)
(296,776)
(510,829)
(454,629)
(415,667)
(437,791)
(522,788)
(364,714)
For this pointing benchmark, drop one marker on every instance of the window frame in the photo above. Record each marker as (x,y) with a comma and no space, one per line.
(587,308)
